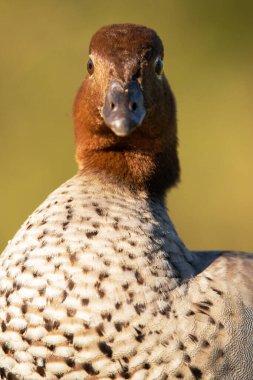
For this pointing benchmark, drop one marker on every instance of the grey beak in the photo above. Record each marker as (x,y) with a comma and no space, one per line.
(123,109)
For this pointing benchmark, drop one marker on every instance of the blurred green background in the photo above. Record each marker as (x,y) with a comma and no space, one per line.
(209,63)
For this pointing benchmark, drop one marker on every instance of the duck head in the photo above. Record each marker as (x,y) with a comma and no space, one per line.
(124,111)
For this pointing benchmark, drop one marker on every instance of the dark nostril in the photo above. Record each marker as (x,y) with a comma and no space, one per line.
(112,106)
(133,106)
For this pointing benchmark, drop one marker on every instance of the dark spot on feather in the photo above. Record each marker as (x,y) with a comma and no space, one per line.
(196,373)
(64,295)
(3,326)
(72,257)
(187,358)
(71,284)
(99,211)
(181,346)
(5,348)
(56,324)
(97,284)
(211,320)
(41,371)
(85,301)
(207,302)
(11,376)
(88,367)
(107,316)
(219,292)
(125,374)
(203,312)
(139,277)
(65,225)
(193,338)
(24,308)
(101,293)
(105,348)
(100,329)
(69,337)
(166,311)
(69,216)
(91,234)
(70,362)
(71,312)
(103,275)
(203,306)
(116,226)
(140,337)
(139,308)
(48,325)
(131,295)
(126,267)
(118,326)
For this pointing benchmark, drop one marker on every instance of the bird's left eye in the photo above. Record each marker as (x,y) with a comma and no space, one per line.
(158,65)
(90,66)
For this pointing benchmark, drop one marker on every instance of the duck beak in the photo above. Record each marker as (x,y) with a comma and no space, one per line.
(123,109)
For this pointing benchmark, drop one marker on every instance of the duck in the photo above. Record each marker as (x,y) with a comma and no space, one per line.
(97,283)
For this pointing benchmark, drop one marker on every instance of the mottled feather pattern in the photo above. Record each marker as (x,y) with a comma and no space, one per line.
(85,265)
(88,291)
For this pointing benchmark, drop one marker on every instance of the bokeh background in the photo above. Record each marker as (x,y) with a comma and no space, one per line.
(209,63)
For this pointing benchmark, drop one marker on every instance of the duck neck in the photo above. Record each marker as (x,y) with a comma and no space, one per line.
(135,170)
(148,214)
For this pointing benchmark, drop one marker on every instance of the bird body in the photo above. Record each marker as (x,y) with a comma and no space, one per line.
(97,283)
(85,275)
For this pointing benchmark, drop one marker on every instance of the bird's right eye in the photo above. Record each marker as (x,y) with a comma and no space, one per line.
(90,66)
(158,65)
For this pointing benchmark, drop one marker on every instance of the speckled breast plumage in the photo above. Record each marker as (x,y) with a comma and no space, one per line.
(73,287)
(91,289)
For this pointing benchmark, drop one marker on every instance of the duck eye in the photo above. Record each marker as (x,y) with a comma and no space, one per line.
(158,65)
(90,66)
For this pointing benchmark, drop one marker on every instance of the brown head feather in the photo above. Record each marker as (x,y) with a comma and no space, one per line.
(146,159)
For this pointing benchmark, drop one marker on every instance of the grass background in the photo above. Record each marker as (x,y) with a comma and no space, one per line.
(209,63)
